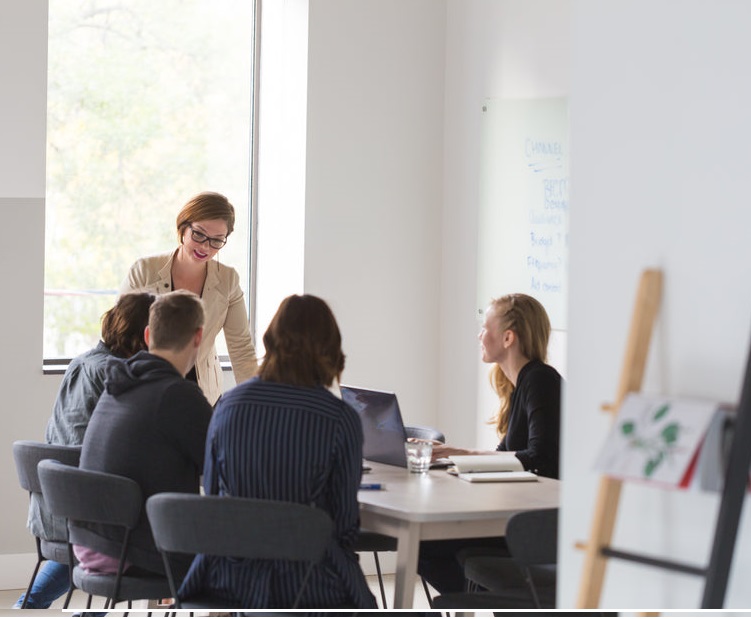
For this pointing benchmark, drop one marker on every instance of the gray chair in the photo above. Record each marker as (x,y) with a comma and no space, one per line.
(90,497)
(425,433)
(27,455)
(236,527)
(526,579)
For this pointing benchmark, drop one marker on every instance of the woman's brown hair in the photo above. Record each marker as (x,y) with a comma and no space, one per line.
(527,318)
(123,325)
(303,344)
(204,206)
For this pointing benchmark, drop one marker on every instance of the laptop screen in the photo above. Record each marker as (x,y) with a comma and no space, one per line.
(382,425)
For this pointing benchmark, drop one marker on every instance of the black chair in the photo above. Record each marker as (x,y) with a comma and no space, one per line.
(91,497)
(425,433)
(369,541)
(526,579)
(27,454)
(236,527)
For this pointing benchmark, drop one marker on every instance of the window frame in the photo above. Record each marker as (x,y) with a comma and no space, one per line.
(59,365)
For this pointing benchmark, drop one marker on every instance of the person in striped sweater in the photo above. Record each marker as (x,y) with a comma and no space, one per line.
(285,436)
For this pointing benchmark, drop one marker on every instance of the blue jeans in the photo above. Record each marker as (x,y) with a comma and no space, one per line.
(51,582)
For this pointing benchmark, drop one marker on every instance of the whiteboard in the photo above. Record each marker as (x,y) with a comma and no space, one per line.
(523,211)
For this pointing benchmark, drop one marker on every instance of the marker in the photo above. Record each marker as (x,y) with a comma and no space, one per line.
(372,487)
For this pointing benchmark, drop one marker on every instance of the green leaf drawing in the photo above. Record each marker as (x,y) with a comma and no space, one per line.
(661,412)
(670,433)
(627,427)
(652,464)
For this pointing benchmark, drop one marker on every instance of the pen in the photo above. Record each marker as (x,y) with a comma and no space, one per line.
(372,487)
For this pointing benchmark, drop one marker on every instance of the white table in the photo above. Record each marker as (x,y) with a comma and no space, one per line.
(440,506)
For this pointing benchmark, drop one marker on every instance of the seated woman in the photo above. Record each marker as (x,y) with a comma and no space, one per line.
(514,338)
(82,384)
(284,436)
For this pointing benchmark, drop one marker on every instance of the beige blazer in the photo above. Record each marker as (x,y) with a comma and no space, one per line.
(224,308)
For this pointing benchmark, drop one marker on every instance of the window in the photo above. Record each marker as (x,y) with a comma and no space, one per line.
(149,103)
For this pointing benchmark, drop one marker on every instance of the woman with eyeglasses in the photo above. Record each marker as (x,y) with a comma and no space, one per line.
(203,226)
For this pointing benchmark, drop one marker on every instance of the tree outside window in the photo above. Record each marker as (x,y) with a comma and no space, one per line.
(149,103)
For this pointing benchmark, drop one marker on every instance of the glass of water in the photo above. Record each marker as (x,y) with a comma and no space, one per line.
(418,456)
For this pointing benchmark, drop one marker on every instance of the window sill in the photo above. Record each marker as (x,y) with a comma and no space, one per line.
(60,366)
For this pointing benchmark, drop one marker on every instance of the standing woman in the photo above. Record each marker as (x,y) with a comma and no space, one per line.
(203,226)
(514,338)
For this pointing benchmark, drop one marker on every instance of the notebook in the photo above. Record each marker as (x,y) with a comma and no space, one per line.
(485,468)
(382,425)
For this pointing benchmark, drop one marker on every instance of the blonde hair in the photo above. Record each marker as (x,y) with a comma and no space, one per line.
(527,318)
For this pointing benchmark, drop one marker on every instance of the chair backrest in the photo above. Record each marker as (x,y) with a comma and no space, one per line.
(238,527)
(425,433)
(28,454)
(90,496)
(532,537)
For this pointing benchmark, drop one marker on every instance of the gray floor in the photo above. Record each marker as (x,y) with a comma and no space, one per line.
(9,597)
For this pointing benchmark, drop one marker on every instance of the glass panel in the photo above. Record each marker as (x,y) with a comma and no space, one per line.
(148,104)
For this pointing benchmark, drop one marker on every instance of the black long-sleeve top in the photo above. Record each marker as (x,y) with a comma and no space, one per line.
(535,419)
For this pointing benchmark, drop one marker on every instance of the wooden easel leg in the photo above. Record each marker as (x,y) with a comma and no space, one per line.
(646,306)
(593,572)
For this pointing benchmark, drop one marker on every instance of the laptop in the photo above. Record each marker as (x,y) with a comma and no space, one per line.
(382,424)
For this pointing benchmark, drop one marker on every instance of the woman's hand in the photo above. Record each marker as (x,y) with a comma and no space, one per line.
(441,450)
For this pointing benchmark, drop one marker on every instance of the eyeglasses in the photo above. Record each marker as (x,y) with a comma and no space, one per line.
(201,238)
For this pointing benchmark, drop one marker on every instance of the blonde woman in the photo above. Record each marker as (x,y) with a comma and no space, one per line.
(514,338)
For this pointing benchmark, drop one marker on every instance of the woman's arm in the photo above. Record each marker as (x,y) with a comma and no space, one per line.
(345,479)
(441,450)
(542,410)
(242,353)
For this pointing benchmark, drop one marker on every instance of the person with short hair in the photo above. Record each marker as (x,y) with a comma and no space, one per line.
(150,426)
(203,227)
(284,436)
(82,384)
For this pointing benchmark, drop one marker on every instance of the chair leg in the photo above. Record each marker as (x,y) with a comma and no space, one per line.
(31,583)
(40,558)
(427,591)
(67,597)
(380,579)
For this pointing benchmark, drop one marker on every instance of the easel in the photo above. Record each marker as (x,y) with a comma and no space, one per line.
(598,548)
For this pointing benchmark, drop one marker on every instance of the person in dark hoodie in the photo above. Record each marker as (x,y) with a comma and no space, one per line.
(83,383)
(149,425)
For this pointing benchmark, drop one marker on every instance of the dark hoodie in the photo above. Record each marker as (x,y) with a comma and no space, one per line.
(149,425)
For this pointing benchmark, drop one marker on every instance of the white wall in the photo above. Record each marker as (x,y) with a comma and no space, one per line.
(494,49)
(373,194)
(27,394)
(660,101)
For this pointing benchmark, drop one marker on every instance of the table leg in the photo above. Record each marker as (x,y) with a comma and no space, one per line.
(407,550)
